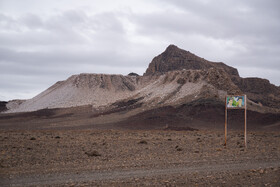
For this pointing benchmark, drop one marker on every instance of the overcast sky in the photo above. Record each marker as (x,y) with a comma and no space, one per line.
(42,42)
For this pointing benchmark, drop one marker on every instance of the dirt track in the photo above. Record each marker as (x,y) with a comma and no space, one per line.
(92,177)
(137,158)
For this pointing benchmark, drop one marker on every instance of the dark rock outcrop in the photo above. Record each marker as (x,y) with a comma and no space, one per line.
(174,58)
(3,106)
(104,81)
(133,74)
(259,90)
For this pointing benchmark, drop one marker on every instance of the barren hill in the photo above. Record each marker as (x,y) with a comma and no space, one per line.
(178,88)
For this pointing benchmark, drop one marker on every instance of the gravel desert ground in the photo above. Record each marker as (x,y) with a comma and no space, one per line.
(138,158)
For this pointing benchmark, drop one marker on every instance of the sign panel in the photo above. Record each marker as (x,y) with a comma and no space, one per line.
(235,102)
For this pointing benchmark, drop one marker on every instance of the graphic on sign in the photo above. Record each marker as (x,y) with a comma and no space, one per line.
(235,102)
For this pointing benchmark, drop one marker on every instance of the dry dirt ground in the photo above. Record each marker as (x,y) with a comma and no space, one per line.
(138,158)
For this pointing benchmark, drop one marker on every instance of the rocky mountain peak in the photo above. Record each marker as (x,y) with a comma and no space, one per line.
(172,48)
(174,58)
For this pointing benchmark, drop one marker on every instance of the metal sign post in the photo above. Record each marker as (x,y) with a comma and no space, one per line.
(236,102)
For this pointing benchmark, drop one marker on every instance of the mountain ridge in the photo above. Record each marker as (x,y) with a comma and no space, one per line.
(189,85)
(103,89)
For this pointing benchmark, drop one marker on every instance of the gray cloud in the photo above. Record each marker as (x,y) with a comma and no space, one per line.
(41,43)
(244,31)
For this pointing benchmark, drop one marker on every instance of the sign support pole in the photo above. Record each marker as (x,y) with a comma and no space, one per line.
(245,121)
(226,122)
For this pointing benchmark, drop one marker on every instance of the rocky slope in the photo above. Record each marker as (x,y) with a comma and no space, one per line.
(222,77)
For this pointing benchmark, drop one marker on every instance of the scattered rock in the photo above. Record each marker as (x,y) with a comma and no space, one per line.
(181,81)
(57,137)
(32,138)
(143,142)
(92,153)
(179,149)
(175,128)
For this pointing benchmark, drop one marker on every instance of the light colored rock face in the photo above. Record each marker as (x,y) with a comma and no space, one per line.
(168,90)
(101,90)
(78,90)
